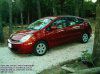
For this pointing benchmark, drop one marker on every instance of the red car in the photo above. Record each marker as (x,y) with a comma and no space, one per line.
(49,32)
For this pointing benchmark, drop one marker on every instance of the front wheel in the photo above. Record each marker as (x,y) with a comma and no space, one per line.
(84,38)
(40,48)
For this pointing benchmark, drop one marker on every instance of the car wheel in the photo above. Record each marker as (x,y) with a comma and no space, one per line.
(40,48)
(85,37)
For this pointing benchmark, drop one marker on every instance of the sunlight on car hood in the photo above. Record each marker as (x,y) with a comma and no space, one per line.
(18,35)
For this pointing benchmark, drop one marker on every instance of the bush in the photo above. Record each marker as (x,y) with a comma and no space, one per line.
(87,58)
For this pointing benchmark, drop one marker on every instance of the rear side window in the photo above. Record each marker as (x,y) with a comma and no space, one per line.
(80,21)
(72,21)
(61,23)
(75,20)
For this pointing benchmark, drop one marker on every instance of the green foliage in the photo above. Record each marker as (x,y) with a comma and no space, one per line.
(48,8)
(86,56)
(14,12)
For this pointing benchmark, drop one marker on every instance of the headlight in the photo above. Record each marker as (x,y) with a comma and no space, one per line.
(25,38)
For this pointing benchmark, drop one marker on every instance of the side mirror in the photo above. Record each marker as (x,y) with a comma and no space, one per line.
(53,27)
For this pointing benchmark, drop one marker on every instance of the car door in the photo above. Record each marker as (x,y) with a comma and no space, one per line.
(77,28)
(72,29)
(80,22)
(55,37)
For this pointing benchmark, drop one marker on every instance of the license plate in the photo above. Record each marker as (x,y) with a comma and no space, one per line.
(9,45)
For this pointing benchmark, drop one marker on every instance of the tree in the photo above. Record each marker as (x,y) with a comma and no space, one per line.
(1,26)
(10,16)
(20,6)
(39,8)
(28,9)
(96,49)
(76,8)
(1,31)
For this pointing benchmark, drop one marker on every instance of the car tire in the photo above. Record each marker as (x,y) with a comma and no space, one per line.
(85,37)
(40,48)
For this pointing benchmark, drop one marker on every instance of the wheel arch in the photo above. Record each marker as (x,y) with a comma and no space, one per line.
(86,31)
(44,41)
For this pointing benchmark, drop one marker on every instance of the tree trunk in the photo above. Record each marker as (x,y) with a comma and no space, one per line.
(38,8)
(82,8)
(21,16)
(15,20)
(62,7)
(96,49)
(54,9)
(28,18)
(10,17)
(1,31)
(77,8)
(1,27)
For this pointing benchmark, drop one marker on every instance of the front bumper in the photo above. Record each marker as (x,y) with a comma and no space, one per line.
(23,48)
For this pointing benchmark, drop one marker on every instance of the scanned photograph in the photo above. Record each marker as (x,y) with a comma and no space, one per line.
(49,36)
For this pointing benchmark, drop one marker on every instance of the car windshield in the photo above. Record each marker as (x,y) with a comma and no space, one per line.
(39,24)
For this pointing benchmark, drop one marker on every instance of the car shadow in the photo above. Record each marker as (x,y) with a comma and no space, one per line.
(22,55)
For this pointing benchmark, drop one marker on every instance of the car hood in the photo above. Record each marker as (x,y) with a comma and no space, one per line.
(18,35)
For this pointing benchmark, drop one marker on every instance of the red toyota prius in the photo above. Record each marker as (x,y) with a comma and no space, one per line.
(48,32)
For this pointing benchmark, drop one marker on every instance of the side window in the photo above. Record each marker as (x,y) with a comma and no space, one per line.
(80,21)
(72,21)
(66,22)
(60,23)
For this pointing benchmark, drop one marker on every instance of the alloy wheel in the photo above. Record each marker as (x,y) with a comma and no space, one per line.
(41,48)
(85,37)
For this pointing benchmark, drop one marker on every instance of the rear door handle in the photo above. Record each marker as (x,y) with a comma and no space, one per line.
(61,30)
(76,27)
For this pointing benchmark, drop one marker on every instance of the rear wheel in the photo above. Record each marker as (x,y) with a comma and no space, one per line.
(85,37)
(40,48)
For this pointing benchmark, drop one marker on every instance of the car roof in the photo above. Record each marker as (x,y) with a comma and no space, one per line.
(50,17)
(68,16)
(53,17)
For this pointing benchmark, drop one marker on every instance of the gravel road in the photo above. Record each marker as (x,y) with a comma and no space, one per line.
(55,56)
